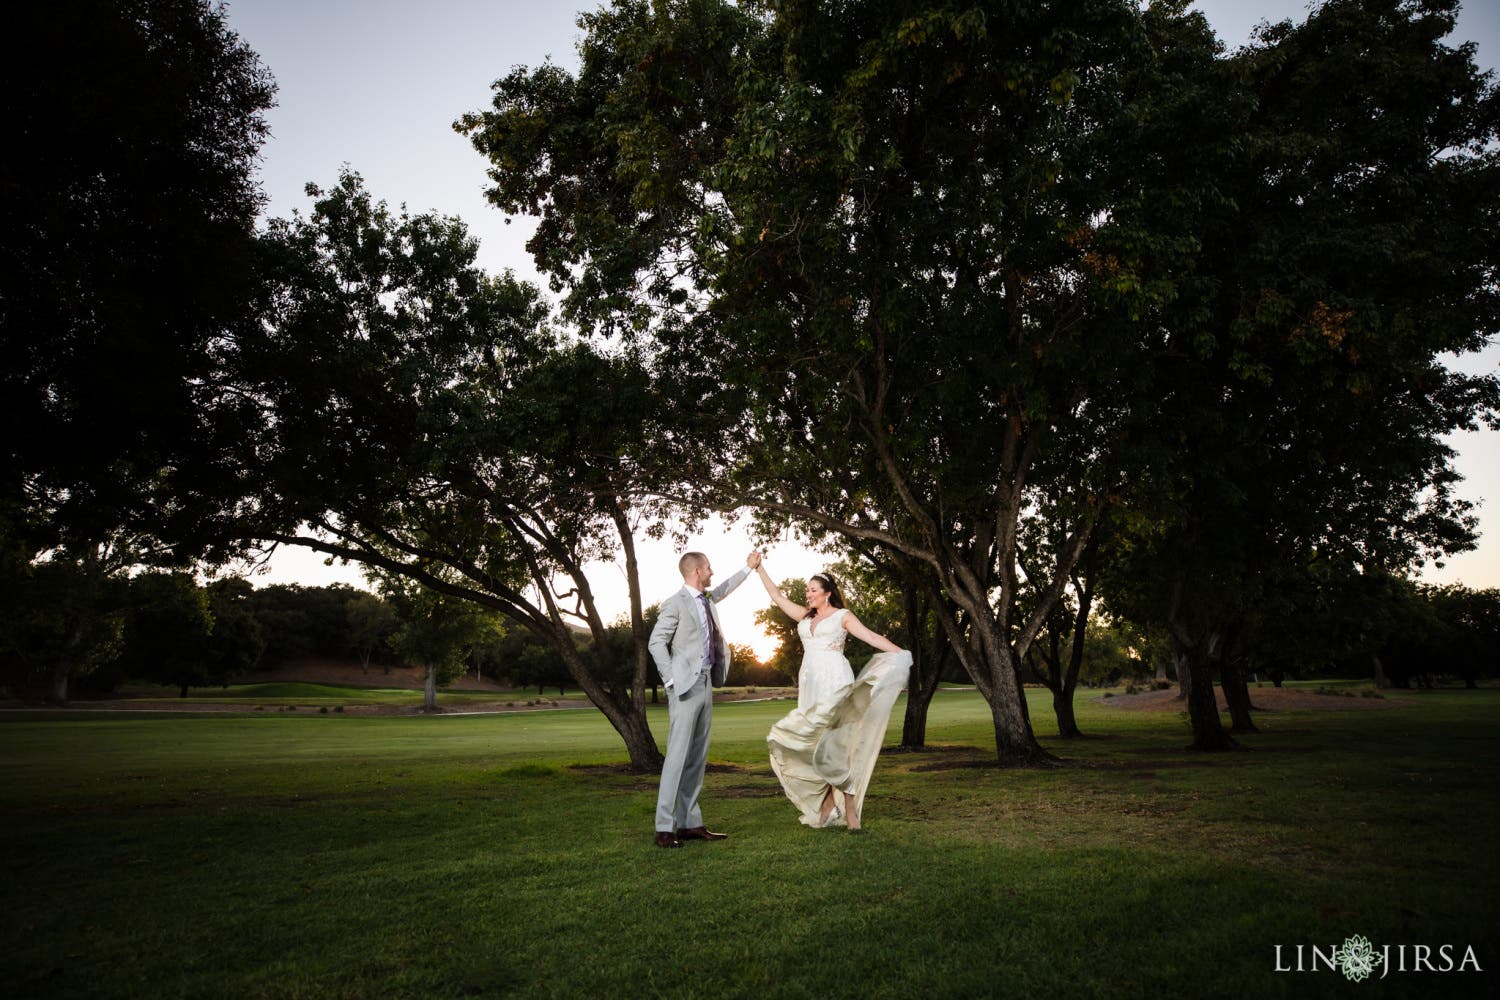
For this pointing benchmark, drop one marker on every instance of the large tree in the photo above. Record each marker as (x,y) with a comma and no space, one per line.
(890,235)
(1350,241)
(127,222)
(416,415)
(370,621)
(168,627)
(438,631)
(63,616)
(127,225)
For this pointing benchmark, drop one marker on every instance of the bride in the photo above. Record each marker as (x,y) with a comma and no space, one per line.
(828,744)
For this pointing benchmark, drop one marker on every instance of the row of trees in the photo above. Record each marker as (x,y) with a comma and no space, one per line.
(166,628)
(992,293)
(1023,306)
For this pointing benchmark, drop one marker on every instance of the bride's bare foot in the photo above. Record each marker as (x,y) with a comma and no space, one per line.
(827,809)
(851,815)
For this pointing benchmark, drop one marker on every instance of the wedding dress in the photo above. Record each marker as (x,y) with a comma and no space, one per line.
(834,734)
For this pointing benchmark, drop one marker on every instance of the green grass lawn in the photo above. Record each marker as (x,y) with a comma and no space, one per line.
(333,856)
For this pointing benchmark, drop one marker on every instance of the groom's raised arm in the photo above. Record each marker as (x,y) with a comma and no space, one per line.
(726,588)
(661,638)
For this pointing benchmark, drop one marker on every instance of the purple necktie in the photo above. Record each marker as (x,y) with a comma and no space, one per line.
(711,650)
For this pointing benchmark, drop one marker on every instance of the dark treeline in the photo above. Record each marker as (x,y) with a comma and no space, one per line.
(1086,338)
(162,627)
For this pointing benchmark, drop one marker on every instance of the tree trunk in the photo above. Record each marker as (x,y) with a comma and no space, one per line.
(1203,708)
(1237,696)
(1380,681)
(1062,706)
(623,710)
(919,694)
(645,756)
(1025,703)
(1015,741)
(1161,669)
(929,653)
(429,691)
(183,693)
(1051,674)
(914,723)
(57,684)
(1184,678)
(990,661)
(1062,695)
(62,668)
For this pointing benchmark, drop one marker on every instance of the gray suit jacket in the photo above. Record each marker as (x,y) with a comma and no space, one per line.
(677,640)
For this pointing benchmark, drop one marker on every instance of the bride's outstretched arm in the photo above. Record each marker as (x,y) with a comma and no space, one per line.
(794,611)
(857,629)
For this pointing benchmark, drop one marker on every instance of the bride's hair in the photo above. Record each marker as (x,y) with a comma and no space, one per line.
(826,582)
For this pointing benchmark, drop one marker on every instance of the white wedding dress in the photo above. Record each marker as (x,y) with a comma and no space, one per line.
(834,734)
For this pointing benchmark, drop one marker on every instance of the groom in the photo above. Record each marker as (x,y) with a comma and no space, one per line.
(691,656)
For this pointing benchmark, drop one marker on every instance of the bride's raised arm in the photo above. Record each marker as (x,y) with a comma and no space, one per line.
(794,611)
(857,628)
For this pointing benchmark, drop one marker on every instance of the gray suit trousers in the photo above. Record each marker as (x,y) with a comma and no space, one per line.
(690,715)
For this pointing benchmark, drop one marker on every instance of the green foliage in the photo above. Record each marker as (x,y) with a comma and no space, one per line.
(1107,654)
(1469,642)
(63,618)
(746,670)
(1341,197)
(524,661)
(1426,632)
(167,630)
(300,621)
(127,218)
(421,417)
(370,622)
(895,238)
(437,631)
(788,656)
(238,641)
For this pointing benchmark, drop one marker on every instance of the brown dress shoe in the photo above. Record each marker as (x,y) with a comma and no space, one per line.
(700,833)
(665,839)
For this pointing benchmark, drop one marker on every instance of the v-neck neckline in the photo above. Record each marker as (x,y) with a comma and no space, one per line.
(812,626)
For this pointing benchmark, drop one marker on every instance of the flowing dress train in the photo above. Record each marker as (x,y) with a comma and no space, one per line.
(834,734)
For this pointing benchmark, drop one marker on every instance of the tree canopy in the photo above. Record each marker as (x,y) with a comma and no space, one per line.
(407,411)
(127,231)
(948,266)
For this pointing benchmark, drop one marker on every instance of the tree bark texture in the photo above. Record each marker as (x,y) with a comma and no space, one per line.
(1236,696)
(929,650)
(1203,707)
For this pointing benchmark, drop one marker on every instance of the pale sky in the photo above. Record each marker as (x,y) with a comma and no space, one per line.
(376,84)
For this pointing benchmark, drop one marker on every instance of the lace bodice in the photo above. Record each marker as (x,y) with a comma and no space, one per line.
(829,636)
